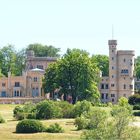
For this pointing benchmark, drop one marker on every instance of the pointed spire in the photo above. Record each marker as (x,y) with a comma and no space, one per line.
(112,32)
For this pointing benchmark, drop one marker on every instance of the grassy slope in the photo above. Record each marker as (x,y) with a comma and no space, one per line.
(7,129)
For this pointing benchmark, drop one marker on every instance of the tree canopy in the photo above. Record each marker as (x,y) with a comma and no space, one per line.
(14,61)
(75,75)
(102,62)
(44,50)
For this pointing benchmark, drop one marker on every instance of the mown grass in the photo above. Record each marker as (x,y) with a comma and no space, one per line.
(7,130)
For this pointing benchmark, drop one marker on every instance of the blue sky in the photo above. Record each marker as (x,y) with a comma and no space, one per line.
(84,24)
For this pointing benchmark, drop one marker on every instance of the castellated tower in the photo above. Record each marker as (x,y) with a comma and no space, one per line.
(113,72)
(121,71)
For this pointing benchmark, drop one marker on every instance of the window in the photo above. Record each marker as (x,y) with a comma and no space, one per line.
(131,86)
(17,84)
(40,66)
(106,86)
(112,50)
(3,84)
(102,95)
(112,76)
(112,68)
(106,95)
(124,86)
(112,58)
(124,71)
(124,60)
(124,95)
(35,79)
(112,85)
(112,95)
(102,86)
(113,100)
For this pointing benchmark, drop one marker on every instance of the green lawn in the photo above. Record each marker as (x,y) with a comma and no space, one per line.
(7,130)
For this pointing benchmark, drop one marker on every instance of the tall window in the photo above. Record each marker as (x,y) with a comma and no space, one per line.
(131,86)
(102,95)
(102,86)
(17,84)
(106,95)
(124,86)
(112,85)
(35,79)
(3,84)
(106,86)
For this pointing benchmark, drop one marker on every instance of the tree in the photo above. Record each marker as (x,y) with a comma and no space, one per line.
(75,75)
(116,127)
(43,50)
(50,82)
(102,62)
(8,59)
(20,62)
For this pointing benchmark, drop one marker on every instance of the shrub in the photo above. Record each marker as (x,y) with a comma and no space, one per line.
(1,119)
(136,113)
(114,128)
(18,113)
(81,123)
(55,128)
(80,107)
(136,107)
(67,109)
(47,110)
(91,119)
(134,99)
(29,126)
(28,111)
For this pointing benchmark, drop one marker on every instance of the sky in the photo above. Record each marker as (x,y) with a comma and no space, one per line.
(83,24)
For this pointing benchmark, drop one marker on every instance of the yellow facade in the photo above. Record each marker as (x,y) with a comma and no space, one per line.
(29,84)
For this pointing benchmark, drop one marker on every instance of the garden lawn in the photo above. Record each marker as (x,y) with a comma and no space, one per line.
(7,130)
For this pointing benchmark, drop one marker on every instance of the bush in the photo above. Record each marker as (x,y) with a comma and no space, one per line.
(29,126)
(136,107)
(1,119)
(113,128)
(134,99)
(18,113)
(81,123)
(90,120)
(55,128)
(67,109)
(28,111)
(136,113)
(47,110)
(80,107)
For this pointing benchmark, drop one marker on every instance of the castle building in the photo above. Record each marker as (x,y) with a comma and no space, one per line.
(29,84)
(120,82)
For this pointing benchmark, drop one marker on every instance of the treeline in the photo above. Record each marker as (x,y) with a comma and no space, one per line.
(14,61)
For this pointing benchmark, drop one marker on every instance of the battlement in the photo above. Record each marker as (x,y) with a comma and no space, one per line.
(112,42)
(126,52)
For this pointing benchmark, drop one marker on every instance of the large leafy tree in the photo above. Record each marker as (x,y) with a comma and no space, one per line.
(43,50)
(8,58)
(102,62)
(75,75)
